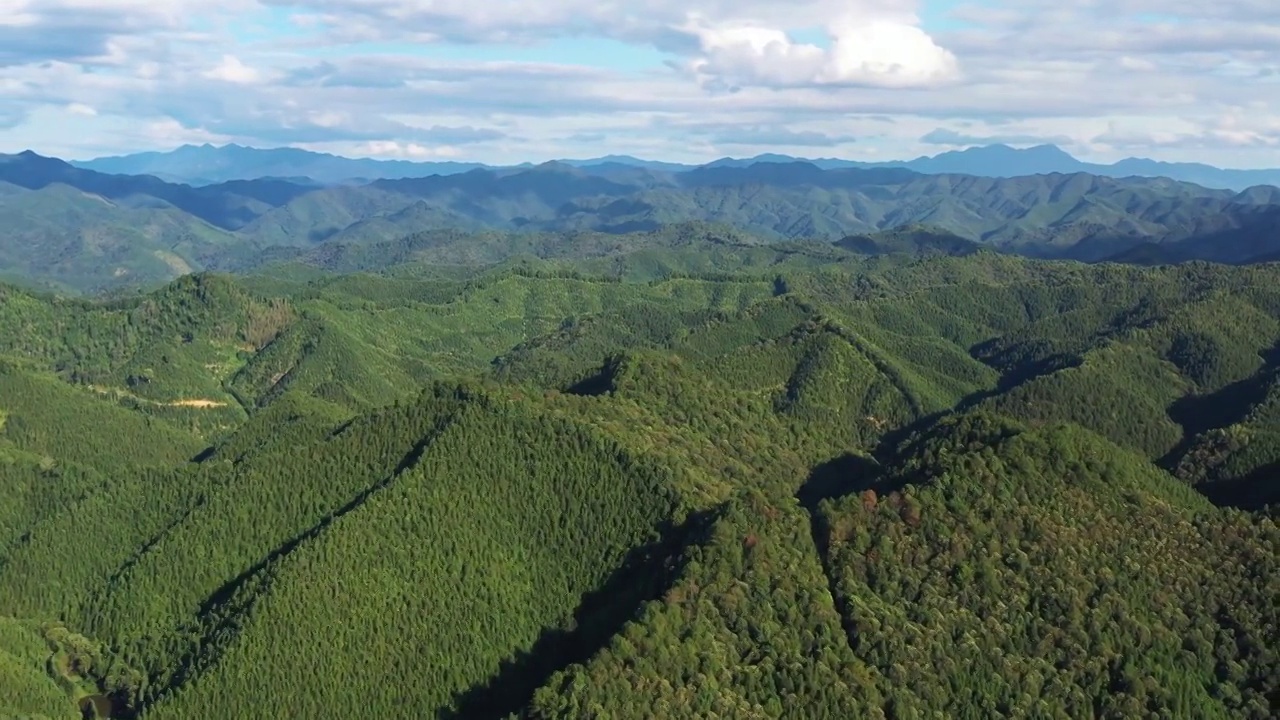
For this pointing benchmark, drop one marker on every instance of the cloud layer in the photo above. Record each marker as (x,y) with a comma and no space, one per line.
(507,80)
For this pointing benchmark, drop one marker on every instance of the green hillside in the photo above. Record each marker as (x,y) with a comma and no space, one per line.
(701,476)
(86,242)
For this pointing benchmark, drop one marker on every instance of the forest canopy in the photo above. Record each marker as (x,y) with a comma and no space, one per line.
(701,479)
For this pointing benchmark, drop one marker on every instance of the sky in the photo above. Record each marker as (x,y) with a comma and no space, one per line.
(503,81)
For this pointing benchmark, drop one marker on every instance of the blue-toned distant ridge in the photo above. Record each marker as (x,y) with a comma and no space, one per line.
(207,164)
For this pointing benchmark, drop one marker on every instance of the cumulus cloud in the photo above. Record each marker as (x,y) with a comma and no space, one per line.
(754,54)
(888,52)
(869,45)
(410,151)
(232,70)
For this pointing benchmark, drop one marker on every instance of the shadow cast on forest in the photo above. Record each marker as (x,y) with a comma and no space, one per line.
(1255,491)
(840,477)
(889,444)
(644,575)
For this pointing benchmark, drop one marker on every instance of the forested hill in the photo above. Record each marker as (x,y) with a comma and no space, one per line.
(74,229)
(708,478)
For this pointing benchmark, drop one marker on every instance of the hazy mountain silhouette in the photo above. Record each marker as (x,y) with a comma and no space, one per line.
(206,164)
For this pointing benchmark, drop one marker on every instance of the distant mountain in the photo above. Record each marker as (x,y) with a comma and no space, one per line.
(1005,161)
(822,163)
(1056,215)
(629,161)
(207,165)
(71,240)
(228,206)
(90,230)
(998,161)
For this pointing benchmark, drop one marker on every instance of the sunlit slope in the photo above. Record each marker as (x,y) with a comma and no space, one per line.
(488,541)
(1051,571)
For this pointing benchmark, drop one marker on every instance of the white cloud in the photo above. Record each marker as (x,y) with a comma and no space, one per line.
(1019,69)
(1137,64)
(17,17)
(409,151)
(1233,129)
(875,42)
(169,133)
(888,51)
(756,55)
(232,70)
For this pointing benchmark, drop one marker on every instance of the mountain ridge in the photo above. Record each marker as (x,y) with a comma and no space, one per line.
(208,164)
(113,231)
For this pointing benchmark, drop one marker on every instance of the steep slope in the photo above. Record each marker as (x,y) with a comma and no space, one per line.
(1012,551)
(29,690)
(59,423)
(221,206)
(491,514)
(78,241)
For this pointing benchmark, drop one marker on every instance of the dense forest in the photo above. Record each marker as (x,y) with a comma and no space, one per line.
(699,476)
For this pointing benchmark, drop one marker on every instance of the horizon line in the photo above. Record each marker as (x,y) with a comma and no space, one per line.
(619,156)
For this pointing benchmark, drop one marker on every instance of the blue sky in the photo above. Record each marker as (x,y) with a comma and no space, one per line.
(687,80)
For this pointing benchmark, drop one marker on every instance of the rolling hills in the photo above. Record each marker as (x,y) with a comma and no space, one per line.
(74,229)
(698,475)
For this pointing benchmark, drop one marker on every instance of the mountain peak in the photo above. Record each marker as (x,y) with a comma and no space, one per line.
(1049,151)
(1000,160)
(556,166)
(1046,150)
(32,158)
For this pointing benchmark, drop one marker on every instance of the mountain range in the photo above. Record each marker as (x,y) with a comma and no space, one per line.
(208,165)
(760,439)
(77,229)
